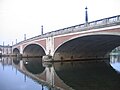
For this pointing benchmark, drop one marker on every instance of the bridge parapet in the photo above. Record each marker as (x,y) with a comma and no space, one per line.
(105,22)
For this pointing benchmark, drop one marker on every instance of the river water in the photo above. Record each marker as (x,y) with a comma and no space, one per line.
(33,74)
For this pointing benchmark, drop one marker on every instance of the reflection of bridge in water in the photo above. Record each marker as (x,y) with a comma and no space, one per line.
(45,75)
(71,75)
(77,75)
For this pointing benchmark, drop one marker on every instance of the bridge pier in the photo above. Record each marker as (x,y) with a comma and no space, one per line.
(50,46)
(47,58)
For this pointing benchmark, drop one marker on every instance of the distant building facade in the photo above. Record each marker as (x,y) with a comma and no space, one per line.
(5,50)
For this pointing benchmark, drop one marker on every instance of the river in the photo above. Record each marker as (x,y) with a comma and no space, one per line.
(33,74)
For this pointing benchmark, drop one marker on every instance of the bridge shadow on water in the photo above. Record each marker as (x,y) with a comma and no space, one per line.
(88,75)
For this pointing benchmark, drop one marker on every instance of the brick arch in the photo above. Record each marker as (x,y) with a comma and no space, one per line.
(84,45)
(33,50)
(16,51)
(25,45)
(59,40)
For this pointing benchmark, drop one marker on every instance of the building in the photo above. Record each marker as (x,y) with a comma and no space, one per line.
(5,50)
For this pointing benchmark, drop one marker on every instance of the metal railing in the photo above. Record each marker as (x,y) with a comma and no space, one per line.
(105,22)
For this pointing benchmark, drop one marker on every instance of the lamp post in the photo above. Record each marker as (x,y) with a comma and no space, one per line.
(12,43)
(42,30)
(16,41)
(86,15)
(24,36)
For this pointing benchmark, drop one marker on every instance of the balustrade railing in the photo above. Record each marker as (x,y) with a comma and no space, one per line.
(80,27)
(115,20)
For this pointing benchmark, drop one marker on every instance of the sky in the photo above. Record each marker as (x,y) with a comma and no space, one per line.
(19,17)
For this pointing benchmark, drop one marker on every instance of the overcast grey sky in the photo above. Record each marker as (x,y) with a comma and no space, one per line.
(19,17)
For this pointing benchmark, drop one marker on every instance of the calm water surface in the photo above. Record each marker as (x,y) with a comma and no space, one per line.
(91,75)
(12,79)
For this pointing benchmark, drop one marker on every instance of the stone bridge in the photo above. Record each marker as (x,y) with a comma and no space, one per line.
(89,40)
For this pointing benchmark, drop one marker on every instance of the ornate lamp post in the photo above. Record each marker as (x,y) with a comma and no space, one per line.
(42,30)
(86,15)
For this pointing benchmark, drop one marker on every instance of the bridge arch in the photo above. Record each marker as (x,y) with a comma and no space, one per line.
(16,51)
(89,46)
(33,50)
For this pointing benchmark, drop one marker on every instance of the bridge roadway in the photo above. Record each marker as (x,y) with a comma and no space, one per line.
(90,40)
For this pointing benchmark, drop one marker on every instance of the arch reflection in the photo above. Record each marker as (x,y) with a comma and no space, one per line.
(88,75)
(33,65)
(16,60)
